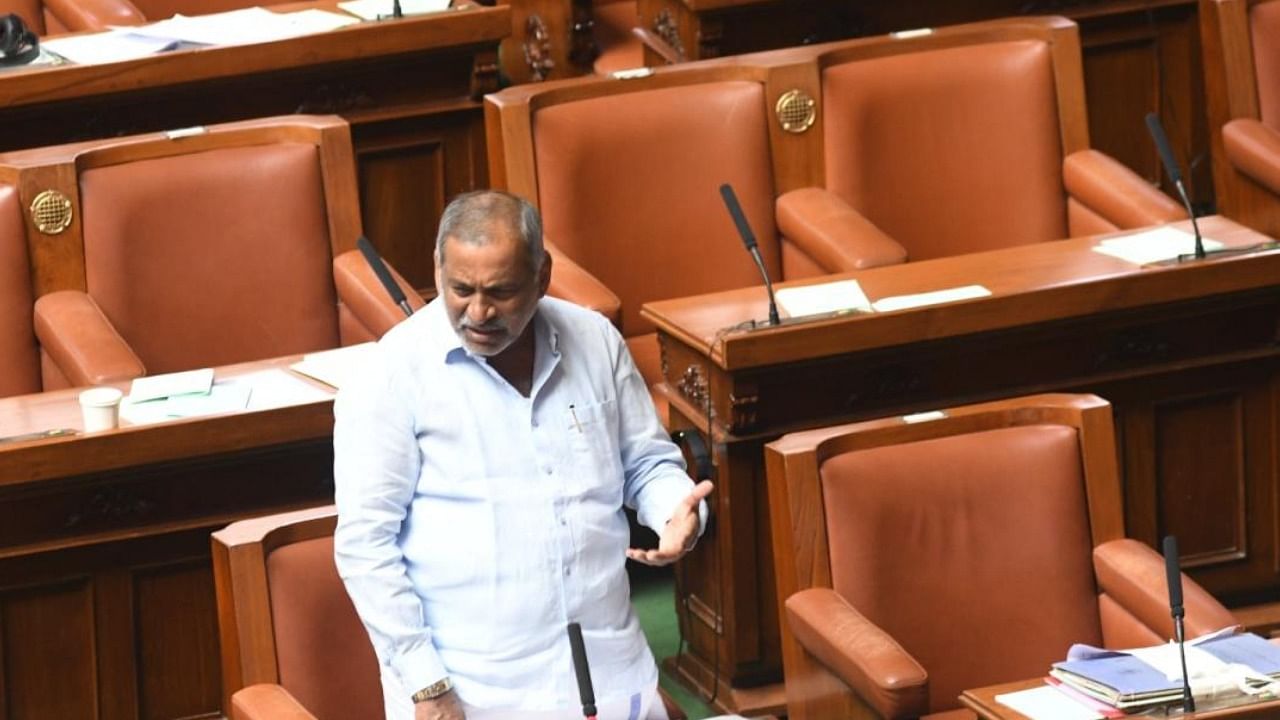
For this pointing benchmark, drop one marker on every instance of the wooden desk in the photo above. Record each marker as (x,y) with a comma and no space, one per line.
(1189,356)
(983,702)
(1140,56)
(106,587)
(550,40)
(410,88)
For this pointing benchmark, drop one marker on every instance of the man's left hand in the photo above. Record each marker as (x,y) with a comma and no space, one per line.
(680,532)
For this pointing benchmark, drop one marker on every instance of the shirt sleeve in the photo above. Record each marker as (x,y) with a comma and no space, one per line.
(376,469)
(654,469)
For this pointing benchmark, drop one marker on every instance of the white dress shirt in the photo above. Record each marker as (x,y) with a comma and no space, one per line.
(475,523)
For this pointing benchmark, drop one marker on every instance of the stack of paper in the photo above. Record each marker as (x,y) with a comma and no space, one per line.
(823,298)
(335,367)
(936,297)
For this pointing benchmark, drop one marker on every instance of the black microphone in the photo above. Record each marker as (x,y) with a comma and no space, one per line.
(1173,576)
(1175,174)
(384,275)
(749,240)
(582,671)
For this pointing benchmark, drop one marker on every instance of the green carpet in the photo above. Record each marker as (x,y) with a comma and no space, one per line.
(654,597)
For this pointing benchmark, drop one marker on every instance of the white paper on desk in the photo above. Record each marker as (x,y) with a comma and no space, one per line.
(221,398)
(153,387)
(838,296)
(242,27)
(1154,245)
(275,388)
(111,46)
(335,367)
(1046,703)
(375,9)
(937,297)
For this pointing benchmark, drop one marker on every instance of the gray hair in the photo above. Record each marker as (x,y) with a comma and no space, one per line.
(469,217)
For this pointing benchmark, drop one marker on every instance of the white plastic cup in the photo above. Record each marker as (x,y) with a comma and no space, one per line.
(100,407)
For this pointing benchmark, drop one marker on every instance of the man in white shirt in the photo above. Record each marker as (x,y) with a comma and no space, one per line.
(482,463)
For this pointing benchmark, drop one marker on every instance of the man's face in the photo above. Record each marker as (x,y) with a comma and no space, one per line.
(490,292)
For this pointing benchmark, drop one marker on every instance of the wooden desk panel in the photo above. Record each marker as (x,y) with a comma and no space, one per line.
(106,591)
(410,89)
(1189,356)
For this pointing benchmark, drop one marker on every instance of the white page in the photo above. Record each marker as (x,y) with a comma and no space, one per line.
(841,295)
(937,297)
(1045,703)
(1154,245)
(378,9)
(241,27)
(221,398)
(335,367)
(152,387)
(280,388)
(104,47)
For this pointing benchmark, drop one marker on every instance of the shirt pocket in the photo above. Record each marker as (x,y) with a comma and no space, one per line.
(594,451)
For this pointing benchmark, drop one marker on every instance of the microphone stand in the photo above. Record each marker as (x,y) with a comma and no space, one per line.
(749,241)
(1173,576)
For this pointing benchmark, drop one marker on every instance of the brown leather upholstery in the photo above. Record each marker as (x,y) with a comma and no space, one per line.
(19,357)
(317,631)
(988,176)
(49,17)
(1254,149)
(920,560)
(659,229)
(619,48)
(81,342)
(1264,27)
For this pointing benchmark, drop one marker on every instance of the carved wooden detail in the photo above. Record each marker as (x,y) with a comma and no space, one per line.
(710,35)
(742,411)
(666,27)
(537,48)
(693,385)
(484,75)
(336,98)
(110,504)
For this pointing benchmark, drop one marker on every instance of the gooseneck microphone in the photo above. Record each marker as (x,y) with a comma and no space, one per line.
(582,671)
(749,240)
(384,275)
(1175,174)
(1173,575)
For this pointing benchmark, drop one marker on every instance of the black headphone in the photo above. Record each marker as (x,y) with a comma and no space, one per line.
(18,45)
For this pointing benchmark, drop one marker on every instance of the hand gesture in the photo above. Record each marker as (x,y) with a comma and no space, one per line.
(680,532)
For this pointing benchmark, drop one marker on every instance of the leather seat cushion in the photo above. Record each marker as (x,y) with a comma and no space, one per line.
(1264,26)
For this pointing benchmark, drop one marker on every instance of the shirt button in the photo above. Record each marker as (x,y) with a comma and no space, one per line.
(547,470)
(563,521)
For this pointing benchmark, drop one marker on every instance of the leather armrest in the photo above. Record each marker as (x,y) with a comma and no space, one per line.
(359,289)
(1254,149)
(81,341)
(1116,193)
(835,235)
(1133,575)
(569,281)
(865,657)
(79,15)
(267,702)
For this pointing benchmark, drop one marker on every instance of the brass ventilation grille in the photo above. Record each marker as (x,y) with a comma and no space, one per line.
(796,111)
(51,212)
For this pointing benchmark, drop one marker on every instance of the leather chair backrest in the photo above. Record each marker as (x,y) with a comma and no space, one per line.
(323,653)
(949,151)
(628,188)
(19,356)
(162,9)
(213,257)
(973,551)
(31,12)
(1264,26)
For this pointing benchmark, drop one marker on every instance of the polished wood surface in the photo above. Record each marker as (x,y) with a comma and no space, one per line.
(410,88)
(1188,356)
(550,39)
(1140,56)
(106,591)
(983,702)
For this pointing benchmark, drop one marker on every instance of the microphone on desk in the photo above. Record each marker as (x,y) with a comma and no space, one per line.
(749,240)
(384,275)
(581,670)
(1173,574)
(1175,174)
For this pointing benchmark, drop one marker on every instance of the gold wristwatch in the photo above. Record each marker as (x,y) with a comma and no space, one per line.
(434,690)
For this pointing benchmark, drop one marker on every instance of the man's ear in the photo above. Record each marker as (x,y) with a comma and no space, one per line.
(544,274)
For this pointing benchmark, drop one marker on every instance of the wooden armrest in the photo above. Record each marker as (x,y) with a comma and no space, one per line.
(1133,575)
(569,281)
(79,15)
(1116,193)
(267,702)
(834,235)
(81,341)
(651,40)
(361,292)
(1254,149)
(865,657)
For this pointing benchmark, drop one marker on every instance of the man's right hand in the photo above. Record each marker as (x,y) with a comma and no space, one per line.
(445,707)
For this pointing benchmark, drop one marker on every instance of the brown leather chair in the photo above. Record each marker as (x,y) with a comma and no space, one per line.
(50,17)
(626,174)
(1241,42)
(620,49)
(19,356)
(918,560)
(293,647)
(964,139)
(230,243)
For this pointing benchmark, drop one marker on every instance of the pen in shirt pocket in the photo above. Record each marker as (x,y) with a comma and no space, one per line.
(574,413)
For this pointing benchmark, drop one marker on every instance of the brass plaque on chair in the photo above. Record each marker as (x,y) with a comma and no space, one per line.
(51,212)
(796,111)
